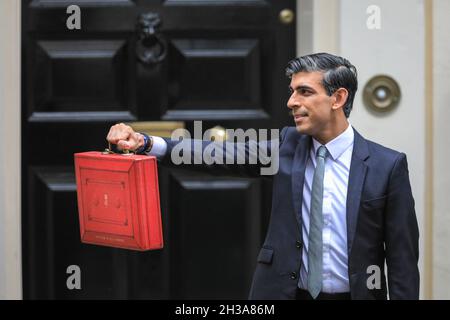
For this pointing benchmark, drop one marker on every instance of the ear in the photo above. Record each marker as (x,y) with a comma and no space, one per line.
(340,98)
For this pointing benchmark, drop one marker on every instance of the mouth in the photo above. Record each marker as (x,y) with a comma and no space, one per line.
(300,116)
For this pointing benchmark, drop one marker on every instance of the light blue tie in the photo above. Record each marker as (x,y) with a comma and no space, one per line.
(315,226)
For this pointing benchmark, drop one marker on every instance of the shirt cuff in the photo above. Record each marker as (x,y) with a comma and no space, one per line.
(159,147)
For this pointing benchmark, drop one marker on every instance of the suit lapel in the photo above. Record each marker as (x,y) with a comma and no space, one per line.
(298,174)
(357,175)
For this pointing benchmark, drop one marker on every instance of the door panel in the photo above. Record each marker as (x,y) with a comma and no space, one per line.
(221,231)
(218,61)
(82,76)
(216,64)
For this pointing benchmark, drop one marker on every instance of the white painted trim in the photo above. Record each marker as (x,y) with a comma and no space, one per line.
(304,27)
(10,157)
(326,26)
(318,26)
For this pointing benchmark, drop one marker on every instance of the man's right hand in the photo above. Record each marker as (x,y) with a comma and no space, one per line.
(125,137)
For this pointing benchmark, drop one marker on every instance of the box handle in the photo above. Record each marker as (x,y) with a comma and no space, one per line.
(110,151)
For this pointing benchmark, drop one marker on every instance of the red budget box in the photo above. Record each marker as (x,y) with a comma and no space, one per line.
(118,200)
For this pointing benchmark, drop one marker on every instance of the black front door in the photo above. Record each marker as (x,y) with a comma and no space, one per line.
(221,62)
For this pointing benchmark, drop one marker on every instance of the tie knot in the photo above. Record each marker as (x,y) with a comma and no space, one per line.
(322,152)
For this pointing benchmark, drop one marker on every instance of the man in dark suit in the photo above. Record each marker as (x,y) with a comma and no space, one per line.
(342,206)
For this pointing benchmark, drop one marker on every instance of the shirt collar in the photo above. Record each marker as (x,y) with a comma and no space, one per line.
(338,145)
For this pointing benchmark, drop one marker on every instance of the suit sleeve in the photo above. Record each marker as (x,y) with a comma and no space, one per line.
(401,235)
(249,159)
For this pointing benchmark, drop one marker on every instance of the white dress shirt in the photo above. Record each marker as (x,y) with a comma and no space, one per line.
(334,234)
(159,147)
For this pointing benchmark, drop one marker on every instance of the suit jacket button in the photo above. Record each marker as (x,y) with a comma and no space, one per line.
(293,275)
(298,244)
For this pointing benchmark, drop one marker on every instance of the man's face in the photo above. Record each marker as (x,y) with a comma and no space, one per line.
(310,105)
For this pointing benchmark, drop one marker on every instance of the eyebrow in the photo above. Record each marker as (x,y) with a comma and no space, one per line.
(302,87)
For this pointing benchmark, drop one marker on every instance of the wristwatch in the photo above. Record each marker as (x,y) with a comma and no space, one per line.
(148,144)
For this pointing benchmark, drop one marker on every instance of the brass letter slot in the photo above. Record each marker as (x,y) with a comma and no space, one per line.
(157,128)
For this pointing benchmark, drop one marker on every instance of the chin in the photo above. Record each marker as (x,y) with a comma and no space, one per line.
(302,129)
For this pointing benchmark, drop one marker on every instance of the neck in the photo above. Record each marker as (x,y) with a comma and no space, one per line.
(332,131)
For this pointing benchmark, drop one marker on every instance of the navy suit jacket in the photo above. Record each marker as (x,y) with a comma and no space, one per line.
(381,220)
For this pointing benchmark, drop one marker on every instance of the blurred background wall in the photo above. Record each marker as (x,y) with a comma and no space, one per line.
(439,100)
(10,212)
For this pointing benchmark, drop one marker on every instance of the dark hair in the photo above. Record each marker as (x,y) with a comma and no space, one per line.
(338,73)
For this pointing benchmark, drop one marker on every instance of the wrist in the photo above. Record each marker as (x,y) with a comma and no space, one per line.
(149,144)
(140,140)
(143,140)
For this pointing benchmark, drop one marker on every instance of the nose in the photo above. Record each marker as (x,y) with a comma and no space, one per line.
(292,102)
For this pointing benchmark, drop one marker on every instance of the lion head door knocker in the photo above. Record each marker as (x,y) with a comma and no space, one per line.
(151,47)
